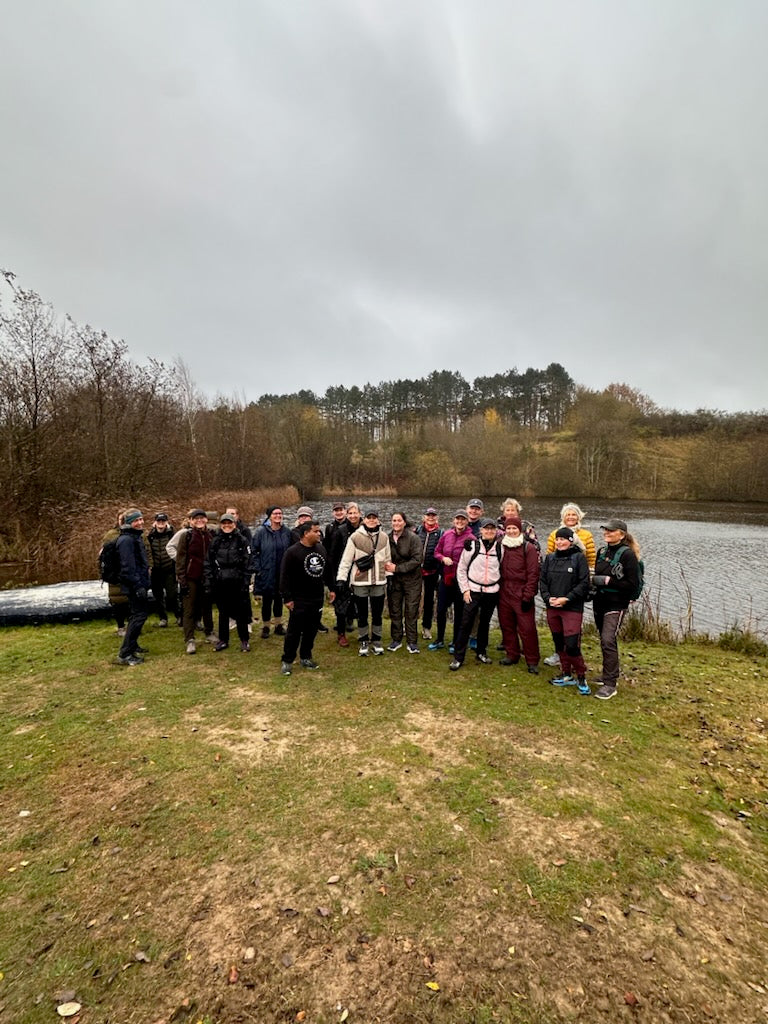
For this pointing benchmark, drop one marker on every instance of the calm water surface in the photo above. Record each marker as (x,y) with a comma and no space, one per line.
(713,549)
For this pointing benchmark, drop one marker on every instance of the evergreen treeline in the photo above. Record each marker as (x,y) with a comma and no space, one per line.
(81,421)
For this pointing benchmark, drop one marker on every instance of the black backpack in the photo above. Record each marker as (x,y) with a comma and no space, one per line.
(109,562)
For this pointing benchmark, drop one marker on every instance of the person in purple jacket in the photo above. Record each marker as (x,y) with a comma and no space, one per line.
(447,555)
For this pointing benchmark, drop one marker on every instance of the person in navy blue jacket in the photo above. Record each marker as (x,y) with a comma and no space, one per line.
(134,583)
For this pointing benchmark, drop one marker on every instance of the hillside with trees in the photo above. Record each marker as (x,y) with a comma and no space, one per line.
(80,420)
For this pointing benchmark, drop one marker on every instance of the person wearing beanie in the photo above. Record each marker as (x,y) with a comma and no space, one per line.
(572,516)
(564,586)
(363,563)
(134,583)
(519,585)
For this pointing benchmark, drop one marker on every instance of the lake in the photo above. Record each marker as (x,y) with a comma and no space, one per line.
(710,548)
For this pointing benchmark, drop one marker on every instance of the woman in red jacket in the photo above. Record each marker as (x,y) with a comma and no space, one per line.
(519,585)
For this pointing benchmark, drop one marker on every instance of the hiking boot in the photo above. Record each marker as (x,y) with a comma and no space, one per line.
(309,664)
(436,645)
(413,649)
(279,629)
(452,649)
(264,632)
(606,691)
(455,665)
(285,668)
(363,649)
(220,646)
(130,659)
(343,642)
(244,646)
(162,624)
(533,670)
(583,685)
(553,660)
(191,647)
(564,681)
(378,647)
(395,645)
(483,659)
(509,661)
(322,628)
(426,634)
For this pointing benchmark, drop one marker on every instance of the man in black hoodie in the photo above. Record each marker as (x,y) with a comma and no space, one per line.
(304,571)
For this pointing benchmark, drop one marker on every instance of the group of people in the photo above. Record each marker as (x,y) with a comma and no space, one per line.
(477,566)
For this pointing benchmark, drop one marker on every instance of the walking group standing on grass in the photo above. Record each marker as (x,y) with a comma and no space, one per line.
(474,569)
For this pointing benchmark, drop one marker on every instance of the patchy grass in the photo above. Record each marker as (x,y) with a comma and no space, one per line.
(347,838)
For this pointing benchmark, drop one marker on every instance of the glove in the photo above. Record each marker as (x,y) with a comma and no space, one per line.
(141,593)
(526,605)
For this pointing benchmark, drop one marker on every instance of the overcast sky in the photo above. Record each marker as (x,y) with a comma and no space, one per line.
(303,194)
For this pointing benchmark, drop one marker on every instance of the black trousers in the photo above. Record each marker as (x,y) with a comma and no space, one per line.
(449,596)
(483,604)
(229,599)
(302,630)
(430,592)
(165,591)
(138,609)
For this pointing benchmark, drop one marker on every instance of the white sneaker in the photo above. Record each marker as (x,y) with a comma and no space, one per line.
(378,647)
(191,647)
(211,638)
(426,634)
(553,659)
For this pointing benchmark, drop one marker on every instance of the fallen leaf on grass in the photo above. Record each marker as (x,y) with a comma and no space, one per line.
(631,999)
(333,880)
(324,911)
(433,986)
(559,863)
(287,960)
(141,956)
(344,1015)
(301,1015)
(249,954)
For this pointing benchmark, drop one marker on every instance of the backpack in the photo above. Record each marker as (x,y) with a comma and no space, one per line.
(109,563)
(474,545)
(640,569)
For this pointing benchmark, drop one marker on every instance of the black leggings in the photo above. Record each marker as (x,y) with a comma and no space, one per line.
(271,605)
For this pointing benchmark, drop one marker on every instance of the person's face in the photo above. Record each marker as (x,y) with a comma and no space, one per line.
(138,524)
(314,534)
(562,543)
(487,532)
(613,536)
(474,513)
(232,512)
(398,523)
(430,521)
(339,515)
(276,518)
(460,523)
(303,519)
(371,521)
(512,531)
(199,522)
(571,518)
(353,515)
(510,509)
(227,526)
(161,525)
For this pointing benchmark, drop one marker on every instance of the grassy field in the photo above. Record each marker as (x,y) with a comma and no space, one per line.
(203,839)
